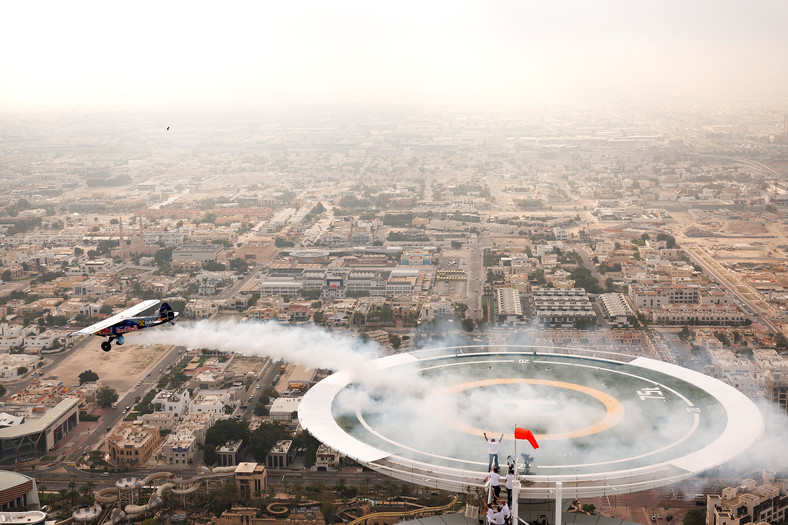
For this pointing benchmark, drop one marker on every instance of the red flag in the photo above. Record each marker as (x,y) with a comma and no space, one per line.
(524,433)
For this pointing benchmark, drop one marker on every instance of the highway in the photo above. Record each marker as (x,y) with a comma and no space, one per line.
(725,282)
(475,278)
(267,377)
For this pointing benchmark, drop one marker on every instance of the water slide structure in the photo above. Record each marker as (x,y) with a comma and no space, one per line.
(124,498)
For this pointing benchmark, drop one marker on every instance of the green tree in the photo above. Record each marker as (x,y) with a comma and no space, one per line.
(3,391)
(685,333)
(214,266)
(695,517)
(468,325)
(395,341)
(88,375)
(222,499)
(105,396)
(6,275)
(163,256)
(239,265)
(222,432)
(538,276)
(209,455)
(264,438)
(722,338)
(22,370)
(328,508)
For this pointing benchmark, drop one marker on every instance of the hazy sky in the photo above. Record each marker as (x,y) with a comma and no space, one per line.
(72,53)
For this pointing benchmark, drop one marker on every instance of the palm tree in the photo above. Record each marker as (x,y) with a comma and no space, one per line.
(87,488)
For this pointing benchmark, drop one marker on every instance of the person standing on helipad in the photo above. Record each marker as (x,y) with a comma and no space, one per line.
(492,448)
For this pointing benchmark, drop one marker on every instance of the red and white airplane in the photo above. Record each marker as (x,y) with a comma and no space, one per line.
(124,322)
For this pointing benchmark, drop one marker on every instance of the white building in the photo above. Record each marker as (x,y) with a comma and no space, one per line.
(96,266)
(509,309)
(436,310)
(90,289)
(283,407)
(179,449)
(616,310)
(278,286)
(197,252)
(213,403)
(172,402)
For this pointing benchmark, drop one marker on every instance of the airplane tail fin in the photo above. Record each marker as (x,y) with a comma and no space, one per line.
(166,311)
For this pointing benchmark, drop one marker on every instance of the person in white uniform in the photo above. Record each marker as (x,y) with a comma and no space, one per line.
(492,448)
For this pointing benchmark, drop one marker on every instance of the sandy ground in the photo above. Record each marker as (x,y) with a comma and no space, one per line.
(243,364)
(119,368)
(745,227)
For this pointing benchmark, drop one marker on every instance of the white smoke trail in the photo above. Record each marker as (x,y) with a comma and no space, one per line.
(306,345)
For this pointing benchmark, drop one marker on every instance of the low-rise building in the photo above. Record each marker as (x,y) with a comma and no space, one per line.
(18,493)
(132,443)
(197,252)
(282,408)
(436,310)
(211,402)
(172,402)
(561,308)
(179,449)
(750,502)
(251,479)
(281,455)
(327,458)
(616,310)
(280,286)
(228,454)
(163,420)
(36,433)
(508,307)
(200,309)
(680,314)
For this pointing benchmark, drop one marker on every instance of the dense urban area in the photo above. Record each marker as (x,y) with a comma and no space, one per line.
(657,232)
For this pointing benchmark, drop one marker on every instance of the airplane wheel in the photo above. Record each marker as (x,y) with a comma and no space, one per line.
(106,346)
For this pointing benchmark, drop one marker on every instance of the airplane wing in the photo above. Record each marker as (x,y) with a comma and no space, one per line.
(125,314)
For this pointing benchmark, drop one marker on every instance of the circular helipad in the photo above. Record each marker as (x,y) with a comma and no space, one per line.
(604,425)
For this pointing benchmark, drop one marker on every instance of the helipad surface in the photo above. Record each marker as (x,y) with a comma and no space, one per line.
(604,426)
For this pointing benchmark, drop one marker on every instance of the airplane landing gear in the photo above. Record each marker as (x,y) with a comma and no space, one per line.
(106,346)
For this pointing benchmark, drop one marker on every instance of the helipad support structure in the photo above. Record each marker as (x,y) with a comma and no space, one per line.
(606,423)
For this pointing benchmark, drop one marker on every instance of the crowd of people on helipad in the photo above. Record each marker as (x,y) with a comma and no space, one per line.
(495,477)
(497,513)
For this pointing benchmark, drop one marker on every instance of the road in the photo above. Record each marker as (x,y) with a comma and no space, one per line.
(725,283)
(237,285)
(475,278)
(60,480)
(267,377)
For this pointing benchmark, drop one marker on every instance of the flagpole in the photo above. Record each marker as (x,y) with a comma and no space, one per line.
(515,483)
(515,449)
